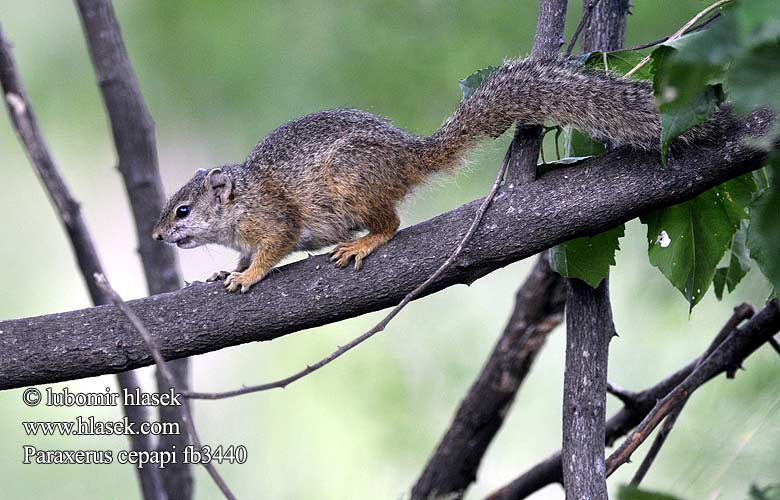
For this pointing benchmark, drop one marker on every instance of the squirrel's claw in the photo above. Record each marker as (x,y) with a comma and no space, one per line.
(344,252)
(218,276)
(236,280)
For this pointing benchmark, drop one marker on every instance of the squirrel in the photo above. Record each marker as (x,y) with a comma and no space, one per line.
(323,178)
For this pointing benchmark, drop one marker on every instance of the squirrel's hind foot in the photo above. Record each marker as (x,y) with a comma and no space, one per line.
(242,280)
(358,249)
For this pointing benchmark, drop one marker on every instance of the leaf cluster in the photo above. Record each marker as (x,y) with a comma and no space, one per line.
(712,239)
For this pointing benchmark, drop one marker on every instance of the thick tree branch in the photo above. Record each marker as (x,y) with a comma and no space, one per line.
(736,348)
(527,140)
(589,197)
(538,309)
(589,328)
(589,325)
(133,133)
(69,213)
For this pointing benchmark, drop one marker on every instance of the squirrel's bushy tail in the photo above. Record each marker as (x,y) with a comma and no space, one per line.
(530,91)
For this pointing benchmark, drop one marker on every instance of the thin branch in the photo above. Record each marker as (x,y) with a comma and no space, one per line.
(661,40)
(417,292)
(163,368)
(133,133)
(625,396)
(736,348)
(741,313)
(677,34)
(583,22)
(601,193)
(775,345)
(69,214)
(711,364)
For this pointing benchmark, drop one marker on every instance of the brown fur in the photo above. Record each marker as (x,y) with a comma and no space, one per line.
(320,179)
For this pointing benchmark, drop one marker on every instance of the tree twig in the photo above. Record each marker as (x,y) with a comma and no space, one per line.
(625,396)
(69,214)
(417,292)
(564,204)
(712,364)
(588,11)
(680,32)
(775,345)
(163,368)
(741,313)
(133,132)
(661,40)
(737,347)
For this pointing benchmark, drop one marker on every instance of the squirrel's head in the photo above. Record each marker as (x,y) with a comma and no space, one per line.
(194,216)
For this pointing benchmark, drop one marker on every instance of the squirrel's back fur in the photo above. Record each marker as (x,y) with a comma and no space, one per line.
(319,179)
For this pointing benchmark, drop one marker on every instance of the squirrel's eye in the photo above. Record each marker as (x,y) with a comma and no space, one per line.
(183,211)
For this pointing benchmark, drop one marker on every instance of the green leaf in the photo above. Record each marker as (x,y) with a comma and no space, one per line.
(587,258)
(619,62)
(753,79)
(469,84)
(578,144)
(687,94)
(631,493)
(687,241)
(760,23)
(763,237)
(738,266)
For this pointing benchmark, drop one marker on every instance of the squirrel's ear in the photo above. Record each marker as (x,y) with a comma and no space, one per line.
(219,186)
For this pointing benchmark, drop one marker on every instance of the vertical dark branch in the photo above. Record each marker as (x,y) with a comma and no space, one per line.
(588,330)
(548,38)
(69,213)
(528,138)
(606,29)
(133,132)
(538,309)
(589,325)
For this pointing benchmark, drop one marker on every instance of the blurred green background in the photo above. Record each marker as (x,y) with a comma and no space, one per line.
(217,76)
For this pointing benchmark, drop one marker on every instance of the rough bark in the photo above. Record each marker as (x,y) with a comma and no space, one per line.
(528,138)
(589,197)
(606,28)
(589,325)
(133,132)
(589,328)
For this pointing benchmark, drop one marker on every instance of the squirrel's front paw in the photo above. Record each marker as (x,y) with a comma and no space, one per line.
(244,281)
(218,276)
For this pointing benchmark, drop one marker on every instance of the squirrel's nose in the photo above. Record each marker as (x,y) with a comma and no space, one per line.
(157,236)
